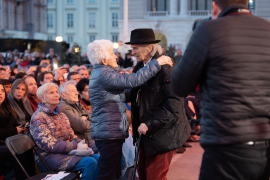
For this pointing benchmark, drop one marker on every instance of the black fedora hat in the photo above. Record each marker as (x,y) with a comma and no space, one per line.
(142,36)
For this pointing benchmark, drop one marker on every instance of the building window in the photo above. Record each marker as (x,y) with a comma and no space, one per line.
(50,1)
(50,38)
(115,38)
(70,20)
(50,20)
(251,4)
(92,20)
(115,0)
(70,1)
(115,19)
(200,5)
(92,1)
(70,39)
(92,38)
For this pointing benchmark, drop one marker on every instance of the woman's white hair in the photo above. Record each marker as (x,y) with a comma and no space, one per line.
(98,50)
(63,86)
(42,90)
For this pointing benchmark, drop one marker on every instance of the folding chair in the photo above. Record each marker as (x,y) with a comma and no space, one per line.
(21,143)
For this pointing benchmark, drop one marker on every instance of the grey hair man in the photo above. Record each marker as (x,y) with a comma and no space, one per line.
(157,112)
(79,117)
(229,57)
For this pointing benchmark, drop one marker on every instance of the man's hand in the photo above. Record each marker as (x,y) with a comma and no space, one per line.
(31,70)
(59,73)
(164,60)
(142,129)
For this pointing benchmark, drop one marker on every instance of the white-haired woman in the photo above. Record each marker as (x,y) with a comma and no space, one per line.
(55,138)
(106,90)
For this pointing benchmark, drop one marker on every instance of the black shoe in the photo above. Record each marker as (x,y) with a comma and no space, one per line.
(180,150)
(187,145)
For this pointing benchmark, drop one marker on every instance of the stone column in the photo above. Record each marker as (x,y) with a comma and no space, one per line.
(173,8)
(184,8)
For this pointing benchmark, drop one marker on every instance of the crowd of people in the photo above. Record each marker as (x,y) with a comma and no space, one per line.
(31,91)
(91,119)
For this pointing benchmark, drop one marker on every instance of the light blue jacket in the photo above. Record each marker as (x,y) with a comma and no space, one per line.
(107,97)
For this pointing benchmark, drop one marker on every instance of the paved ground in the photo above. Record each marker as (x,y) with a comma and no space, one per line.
(186,166)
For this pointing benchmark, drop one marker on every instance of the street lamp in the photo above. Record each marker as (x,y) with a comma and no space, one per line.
(76,49)
(59,39)
(115,45)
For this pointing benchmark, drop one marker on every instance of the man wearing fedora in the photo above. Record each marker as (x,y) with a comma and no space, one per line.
(157,113)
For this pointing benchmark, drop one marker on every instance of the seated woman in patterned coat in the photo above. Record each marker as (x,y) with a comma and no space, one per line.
(55,138)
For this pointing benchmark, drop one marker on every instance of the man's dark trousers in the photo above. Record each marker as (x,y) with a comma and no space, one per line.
(110,159)
(236,162)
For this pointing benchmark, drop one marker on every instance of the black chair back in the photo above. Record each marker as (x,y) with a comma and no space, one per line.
(19,144)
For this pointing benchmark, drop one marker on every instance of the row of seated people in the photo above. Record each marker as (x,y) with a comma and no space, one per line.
(20,112)
(25,102)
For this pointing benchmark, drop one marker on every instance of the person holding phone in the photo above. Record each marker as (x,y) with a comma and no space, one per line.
(10,127)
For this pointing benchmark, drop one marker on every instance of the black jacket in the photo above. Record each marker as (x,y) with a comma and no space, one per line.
(230,58)
(162,112)
(8,124)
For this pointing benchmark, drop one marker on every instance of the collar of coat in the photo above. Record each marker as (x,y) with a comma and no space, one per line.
(96,66)
(227,10)
(46,110)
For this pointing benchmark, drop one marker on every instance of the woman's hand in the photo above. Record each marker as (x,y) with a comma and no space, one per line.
(19,129)
(164,60)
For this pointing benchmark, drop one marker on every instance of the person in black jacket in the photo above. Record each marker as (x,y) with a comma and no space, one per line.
(229,57)
(157,113)
(10,127)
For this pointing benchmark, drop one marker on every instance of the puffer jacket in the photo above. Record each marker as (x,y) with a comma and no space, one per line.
(107,97)
(230,58)
(55,139)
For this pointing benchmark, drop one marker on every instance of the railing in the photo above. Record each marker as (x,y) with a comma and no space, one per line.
(157,14)
(199,13)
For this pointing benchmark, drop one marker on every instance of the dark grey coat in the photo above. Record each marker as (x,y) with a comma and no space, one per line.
(26,105)
(230,58)
(81,127)
(106,91)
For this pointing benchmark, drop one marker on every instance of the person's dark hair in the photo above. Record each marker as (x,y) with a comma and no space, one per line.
(20,75)
(81,84)
(71,74)
(5,81)
(6,105)
(41,77)
(222,4)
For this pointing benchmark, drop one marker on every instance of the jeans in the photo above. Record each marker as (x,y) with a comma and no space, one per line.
(88,166)
(236,162)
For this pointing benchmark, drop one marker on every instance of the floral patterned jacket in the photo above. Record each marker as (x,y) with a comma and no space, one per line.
(55,139)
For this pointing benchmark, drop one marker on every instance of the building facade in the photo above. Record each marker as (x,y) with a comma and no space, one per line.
(172,20)
(83,21)
(23,19)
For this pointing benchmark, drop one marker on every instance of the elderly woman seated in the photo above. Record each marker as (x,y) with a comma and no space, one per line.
(78,116)
(55,138)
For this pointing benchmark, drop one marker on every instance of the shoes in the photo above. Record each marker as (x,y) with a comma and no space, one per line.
(187,145)
(192,139)
(180,150)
